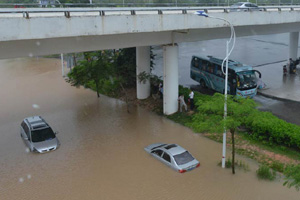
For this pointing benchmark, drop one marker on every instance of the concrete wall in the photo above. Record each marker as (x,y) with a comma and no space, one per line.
(42,35)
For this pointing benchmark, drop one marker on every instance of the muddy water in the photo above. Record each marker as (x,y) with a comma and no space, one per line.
(102,156)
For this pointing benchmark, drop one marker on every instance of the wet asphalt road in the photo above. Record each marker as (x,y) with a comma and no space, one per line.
(266,53)
(286,110)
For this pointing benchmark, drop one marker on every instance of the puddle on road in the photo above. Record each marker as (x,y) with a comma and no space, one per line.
(102,156)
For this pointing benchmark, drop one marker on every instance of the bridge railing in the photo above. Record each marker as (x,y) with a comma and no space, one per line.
(114,9)
(149,4)
(29,12)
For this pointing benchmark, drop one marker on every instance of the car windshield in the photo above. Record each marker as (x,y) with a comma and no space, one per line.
(183,158)
(42,135)
(246,80)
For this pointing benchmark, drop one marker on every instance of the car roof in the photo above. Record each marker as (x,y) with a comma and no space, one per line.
(242,3)
(238,3)
(173,149)
(36,122)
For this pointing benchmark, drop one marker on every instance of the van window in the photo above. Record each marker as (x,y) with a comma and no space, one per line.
(26,129)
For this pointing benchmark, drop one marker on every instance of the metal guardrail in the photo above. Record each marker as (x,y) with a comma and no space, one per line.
(174,4)
(133,10)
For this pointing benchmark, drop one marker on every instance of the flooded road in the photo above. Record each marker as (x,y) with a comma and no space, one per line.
(101,154)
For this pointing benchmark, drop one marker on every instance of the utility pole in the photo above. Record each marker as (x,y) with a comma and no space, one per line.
(62,64)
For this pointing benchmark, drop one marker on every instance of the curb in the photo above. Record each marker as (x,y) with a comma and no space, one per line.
(277,98)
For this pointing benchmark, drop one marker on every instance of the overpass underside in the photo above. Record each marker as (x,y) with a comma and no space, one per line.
(44,35)
(46,46)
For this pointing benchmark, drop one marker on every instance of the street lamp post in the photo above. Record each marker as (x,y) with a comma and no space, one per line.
(231,40)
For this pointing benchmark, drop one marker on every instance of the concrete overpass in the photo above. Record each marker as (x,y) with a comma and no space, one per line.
(33,32)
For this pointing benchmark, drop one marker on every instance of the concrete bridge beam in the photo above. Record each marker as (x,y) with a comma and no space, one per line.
(170,86)
(294,40)
(142,65)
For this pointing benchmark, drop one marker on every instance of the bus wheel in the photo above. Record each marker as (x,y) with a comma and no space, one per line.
(202,83)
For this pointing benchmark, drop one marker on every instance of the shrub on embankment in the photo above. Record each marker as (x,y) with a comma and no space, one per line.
(264,126)
(264,172)
(261,126)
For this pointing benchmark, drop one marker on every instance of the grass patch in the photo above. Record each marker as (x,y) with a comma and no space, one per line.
(289,152)
(264,172)
(182,118)
(239,164)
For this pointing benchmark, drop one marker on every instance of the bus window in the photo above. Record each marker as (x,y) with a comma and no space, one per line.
(230,74)
(193,62)
(204,65)
(208,68)
(215,69)
(196,62)
(211,68)
(219,72)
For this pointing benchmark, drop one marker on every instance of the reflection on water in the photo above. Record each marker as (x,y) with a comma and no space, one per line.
(101,154)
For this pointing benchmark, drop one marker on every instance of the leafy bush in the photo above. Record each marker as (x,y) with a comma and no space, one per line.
(267,127)
(277,166)
(292,173)
(263,126)
(264,172)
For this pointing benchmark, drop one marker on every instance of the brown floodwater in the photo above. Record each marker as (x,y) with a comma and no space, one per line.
(101,154)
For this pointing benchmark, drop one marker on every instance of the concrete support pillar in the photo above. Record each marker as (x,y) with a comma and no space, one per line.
(294,39)
(170,87)
(142,65)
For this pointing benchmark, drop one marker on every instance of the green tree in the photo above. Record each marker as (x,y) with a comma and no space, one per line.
(94,69)
(125,66)
(210,116)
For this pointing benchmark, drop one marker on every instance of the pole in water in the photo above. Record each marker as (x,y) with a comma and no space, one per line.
(62,64)
(225,109)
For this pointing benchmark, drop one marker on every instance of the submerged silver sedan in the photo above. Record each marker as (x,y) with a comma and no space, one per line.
(174,156)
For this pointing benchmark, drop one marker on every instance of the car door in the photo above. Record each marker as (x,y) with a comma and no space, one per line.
(166,158)
(157,153)
(27,135)
(22,130)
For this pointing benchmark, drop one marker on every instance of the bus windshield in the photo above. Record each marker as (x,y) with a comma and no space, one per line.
(246,80)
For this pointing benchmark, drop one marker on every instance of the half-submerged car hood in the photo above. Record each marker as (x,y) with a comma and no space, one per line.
(46,145)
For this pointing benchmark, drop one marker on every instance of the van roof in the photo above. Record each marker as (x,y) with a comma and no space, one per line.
(36,122)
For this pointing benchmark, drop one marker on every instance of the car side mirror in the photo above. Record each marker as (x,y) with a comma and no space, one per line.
(56,132)
(25,138)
